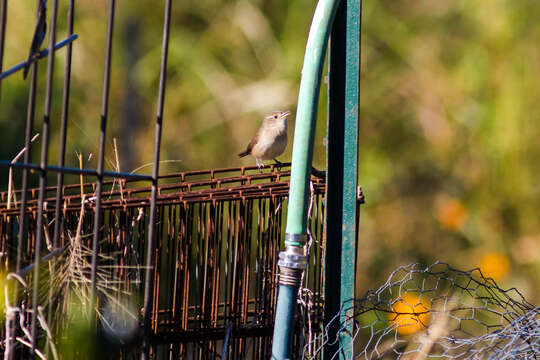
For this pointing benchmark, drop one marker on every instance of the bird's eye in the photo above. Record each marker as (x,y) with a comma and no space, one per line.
(275,116)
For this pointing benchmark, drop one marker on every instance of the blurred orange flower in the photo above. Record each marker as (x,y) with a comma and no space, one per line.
(452,214)
(409,314)
(494,265)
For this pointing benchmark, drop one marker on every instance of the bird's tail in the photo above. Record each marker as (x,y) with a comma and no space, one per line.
(244,153)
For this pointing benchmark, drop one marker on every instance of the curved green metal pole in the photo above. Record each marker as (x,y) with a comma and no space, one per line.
(292,261)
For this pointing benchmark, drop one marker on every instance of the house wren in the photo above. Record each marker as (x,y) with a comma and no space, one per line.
(270,140)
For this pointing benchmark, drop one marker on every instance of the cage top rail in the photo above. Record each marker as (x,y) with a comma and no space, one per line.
(185,176)
(75,171)
(197,186)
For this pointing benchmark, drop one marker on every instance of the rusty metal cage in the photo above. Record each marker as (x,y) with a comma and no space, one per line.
(218,235)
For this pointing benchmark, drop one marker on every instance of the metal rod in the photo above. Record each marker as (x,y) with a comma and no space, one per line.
(27,157)
(30,113)
(342,160)
(43,174)
(3,19)
(45,258)
(101,156)
(148,286)
(63,128)
(40,55)
(76,171)
(61,154)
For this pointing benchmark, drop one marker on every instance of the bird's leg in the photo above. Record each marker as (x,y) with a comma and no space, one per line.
(259,164)
(278,164)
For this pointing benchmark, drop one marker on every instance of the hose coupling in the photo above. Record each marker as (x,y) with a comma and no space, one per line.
(292,261)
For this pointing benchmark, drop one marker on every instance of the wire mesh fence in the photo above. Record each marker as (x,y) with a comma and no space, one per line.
(435,312)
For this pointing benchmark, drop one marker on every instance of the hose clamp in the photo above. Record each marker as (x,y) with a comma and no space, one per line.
(295,239)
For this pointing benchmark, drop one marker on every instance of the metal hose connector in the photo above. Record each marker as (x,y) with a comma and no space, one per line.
(290,277)
(292,262)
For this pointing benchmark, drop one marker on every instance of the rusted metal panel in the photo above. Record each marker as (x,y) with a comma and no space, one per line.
(214,264)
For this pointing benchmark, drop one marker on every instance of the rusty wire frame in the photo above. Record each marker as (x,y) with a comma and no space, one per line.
(214,264)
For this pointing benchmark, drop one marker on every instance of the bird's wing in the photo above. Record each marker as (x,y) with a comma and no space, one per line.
(250,146)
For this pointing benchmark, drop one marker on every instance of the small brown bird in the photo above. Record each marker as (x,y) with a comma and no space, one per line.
(270,140)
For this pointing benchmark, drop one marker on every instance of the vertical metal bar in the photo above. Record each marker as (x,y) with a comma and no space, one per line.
(63,127)
(170,243)
(61,154)
(219,239)
(259,249)
(22,231)
(3,19)
(188,243)
(43,172)
(342,162)
(227,310)
(155,173)
(320,255)
(103,127)
(27,158)
(157,265)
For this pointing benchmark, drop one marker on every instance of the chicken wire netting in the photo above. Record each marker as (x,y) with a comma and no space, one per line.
(433,312)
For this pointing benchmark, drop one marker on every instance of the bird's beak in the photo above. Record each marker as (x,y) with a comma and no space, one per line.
(285,114)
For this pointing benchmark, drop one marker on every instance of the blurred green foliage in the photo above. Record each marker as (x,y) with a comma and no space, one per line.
(449,112)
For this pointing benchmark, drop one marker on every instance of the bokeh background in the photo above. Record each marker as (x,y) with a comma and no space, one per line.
(449,124)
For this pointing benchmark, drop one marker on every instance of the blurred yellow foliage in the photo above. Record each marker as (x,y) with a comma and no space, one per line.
(494,265)
(410,314)
(452,214)
(3,284)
